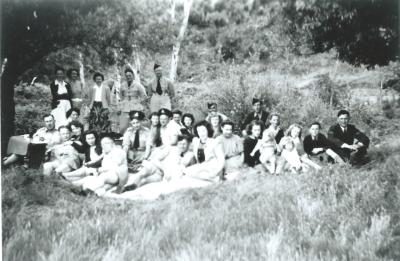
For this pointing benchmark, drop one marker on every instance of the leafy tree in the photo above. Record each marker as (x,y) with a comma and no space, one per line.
(32,29)
(362,31)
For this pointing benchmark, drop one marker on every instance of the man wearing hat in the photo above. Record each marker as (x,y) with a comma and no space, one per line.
(349,143)
(134,141)
(213,110)
(257,114)
(161,90)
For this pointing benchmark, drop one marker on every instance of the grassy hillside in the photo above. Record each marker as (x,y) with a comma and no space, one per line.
(340,213)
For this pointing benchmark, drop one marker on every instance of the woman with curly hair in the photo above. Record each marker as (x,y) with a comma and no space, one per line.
(209,154)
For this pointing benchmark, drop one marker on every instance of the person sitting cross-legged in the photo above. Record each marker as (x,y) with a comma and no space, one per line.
(349,143)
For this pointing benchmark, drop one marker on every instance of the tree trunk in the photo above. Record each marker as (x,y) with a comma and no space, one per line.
(8,79)
(177,45)
(81,69)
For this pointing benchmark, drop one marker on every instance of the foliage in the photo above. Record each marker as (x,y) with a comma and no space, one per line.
(353,27)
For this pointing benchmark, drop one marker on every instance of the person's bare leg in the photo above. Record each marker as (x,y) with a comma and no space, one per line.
(310,163)
(11,159)
(334,156)
(48,168)
(150,179)
(79,173)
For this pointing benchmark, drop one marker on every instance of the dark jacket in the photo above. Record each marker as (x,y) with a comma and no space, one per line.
(87,156)
(338,137)
(320,142)
(250,118)
(57,97)
(248,146)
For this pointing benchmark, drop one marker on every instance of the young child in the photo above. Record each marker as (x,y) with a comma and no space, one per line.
(267,147)
(292,157)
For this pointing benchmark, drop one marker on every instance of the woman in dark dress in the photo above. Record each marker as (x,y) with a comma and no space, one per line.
(61,97)
(254,130)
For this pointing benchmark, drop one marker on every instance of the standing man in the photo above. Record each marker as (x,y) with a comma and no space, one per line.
(257,114)
(349,143)
(161,90)
(133,94)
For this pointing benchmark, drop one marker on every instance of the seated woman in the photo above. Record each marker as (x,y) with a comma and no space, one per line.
(66,158)
(215,121)
(135,139)
(113,170)
(294,133)
(72,114)
(168,166)
(187,123)
(232,146)
(274,127)
(267,148)
(209,155)
(317,146)
(254,130)
(93,158)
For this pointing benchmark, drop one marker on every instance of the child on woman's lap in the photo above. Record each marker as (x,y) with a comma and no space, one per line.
(267,147)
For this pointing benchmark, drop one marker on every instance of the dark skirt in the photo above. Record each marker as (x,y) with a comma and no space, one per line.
(99,120)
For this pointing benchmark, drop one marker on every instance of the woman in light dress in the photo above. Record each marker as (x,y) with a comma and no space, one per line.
(61,98)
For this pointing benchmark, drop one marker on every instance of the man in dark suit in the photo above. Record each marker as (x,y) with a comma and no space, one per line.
(349,143)
(257,114)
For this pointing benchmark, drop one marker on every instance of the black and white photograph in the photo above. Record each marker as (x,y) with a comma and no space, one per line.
(200,130)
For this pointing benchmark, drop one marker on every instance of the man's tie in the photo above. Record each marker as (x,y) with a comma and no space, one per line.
(158,89)
(256,117)
(136,143)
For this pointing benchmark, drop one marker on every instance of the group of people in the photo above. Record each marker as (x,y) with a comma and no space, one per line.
(170,145)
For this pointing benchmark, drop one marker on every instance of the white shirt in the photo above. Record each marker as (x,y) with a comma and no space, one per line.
(93,155)
(61,87)
(97,93)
